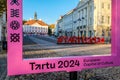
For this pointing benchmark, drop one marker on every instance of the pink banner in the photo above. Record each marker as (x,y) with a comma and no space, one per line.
(17,65)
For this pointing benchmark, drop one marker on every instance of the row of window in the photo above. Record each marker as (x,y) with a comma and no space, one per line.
(35,30)
(103,5)
(81,27)
(103,19)
(38,29)
(29,27)
(83,33)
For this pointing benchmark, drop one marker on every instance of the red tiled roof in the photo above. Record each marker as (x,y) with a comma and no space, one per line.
(30,22)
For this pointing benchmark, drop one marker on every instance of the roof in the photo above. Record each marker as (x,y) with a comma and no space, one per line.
(30,22)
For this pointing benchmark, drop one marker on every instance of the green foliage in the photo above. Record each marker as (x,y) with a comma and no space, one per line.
(24,21)
(49,31)
(52,26)
(3,6)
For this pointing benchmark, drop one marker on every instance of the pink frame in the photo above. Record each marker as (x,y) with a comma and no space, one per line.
(16,65)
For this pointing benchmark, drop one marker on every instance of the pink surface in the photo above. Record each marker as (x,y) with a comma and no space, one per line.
(17,65)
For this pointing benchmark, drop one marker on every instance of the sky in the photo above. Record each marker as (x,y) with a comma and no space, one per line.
(47,10)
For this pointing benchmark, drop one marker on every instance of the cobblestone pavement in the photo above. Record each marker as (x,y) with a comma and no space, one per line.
(45,50)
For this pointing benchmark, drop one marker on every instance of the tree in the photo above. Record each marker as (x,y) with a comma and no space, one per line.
(24,21)
(49,31)
(3,6)
(52,26)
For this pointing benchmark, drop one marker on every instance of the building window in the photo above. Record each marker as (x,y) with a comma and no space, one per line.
(108,6)
(102,5)
(102,19)
(84,26)
(108,19)
(90,33)
(85,33)
(94,7)
(80,27)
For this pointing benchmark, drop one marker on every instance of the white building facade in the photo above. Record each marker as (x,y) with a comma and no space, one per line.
(35,27)
(64,25)
(90,18)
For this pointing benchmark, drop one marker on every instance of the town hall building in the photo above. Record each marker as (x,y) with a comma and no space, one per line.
(35,27)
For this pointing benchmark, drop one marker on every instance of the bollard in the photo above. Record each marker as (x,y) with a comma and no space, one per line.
(4,45)
(73,75)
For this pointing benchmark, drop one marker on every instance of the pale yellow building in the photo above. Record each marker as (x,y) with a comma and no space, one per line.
(102,17)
